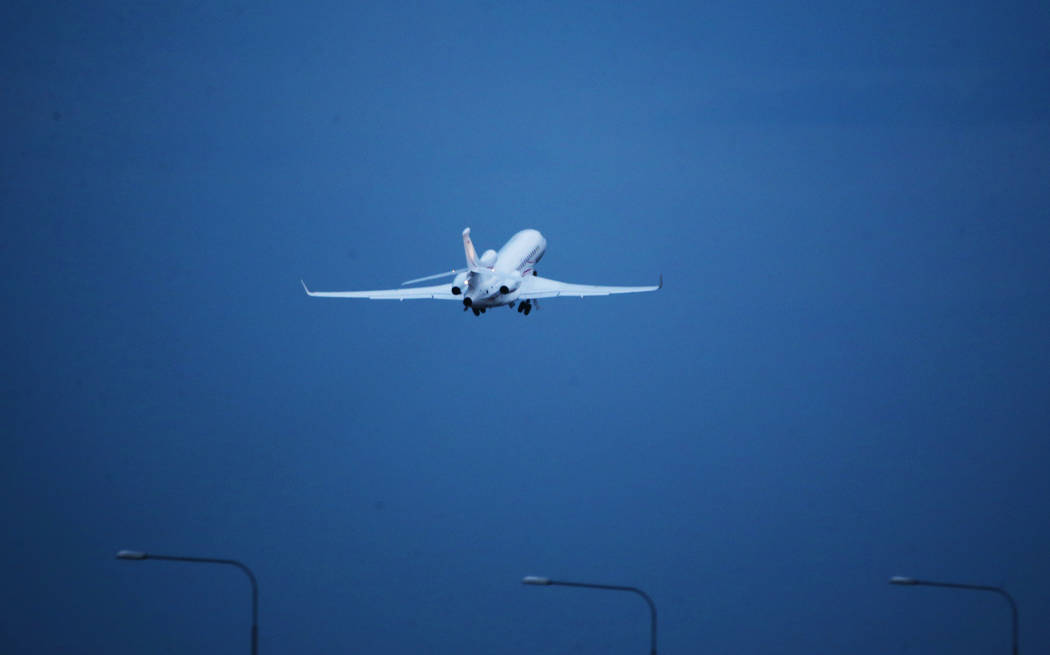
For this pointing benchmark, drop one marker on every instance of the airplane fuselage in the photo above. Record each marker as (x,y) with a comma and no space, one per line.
(498,276)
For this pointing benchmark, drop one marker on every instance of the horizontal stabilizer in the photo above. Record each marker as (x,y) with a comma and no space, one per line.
(434,277)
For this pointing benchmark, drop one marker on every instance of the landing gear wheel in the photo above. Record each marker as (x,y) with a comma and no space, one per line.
(476,311)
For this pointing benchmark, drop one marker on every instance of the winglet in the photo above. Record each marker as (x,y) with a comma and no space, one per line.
(661,285)
(306,289)
(468,248)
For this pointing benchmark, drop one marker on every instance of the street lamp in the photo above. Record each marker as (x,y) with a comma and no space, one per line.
(134,555)
(901,580)
(535,580)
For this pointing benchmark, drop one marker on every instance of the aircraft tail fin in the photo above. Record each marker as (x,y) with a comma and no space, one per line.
(468,248)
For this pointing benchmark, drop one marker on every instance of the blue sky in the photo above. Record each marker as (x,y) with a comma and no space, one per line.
(844,378)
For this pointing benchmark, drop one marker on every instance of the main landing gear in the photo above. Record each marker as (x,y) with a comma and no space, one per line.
(524,307)
(469,304)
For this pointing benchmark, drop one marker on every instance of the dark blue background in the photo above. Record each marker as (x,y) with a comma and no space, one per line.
(846,376)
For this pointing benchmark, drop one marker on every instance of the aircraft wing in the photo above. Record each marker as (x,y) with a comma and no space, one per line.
(540,287)
(438,292)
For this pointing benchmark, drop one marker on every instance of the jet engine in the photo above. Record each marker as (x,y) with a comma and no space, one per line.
(459,284)
(509,286)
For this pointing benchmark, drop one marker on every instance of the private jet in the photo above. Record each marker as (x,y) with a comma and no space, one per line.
(496,279)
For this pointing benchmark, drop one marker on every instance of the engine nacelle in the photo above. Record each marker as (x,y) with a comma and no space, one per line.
(488,259)
(459,284)
(509,286)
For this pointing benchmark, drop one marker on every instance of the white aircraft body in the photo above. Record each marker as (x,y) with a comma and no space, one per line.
(495,279)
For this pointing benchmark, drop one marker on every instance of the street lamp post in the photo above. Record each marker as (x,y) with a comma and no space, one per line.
(535,580)
(134,555)
(905,581)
